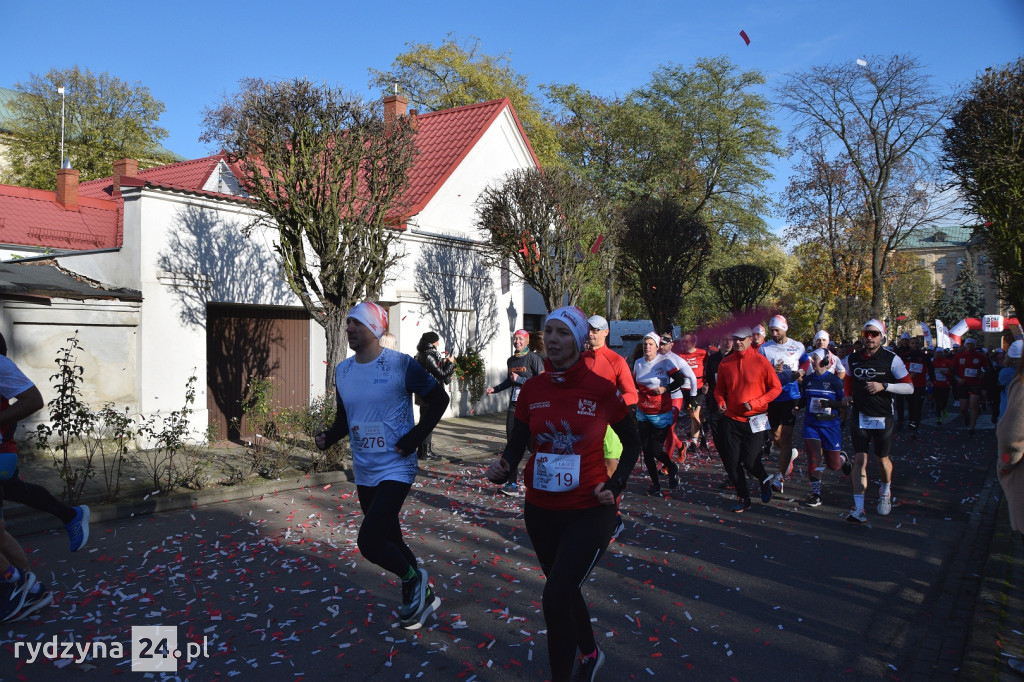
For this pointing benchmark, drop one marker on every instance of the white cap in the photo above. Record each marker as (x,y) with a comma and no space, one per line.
(597,322)
(876,325)
(822,334)
(819,353)
(758,330)
(778,322)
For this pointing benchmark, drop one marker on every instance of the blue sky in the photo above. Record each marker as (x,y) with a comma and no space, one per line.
(189,53)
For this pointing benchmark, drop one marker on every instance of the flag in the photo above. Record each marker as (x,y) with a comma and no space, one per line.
(927,335)
(941,335)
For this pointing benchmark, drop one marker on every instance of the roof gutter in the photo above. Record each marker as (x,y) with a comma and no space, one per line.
(61,254)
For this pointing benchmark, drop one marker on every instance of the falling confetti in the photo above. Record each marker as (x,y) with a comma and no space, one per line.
(743,34)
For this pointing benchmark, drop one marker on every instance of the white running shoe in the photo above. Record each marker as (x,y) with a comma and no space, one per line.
(884,506)
(778,482)
(857,516)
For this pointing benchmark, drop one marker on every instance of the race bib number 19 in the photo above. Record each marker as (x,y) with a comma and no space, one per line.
(556,473)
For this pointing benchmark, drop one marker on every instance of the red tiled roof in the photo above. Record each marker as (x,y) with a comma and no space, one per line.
(186,176)
(32,217)
(443,140)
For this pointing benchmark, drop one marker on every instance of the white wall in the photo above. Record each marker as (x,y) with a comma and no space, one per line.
(107,333)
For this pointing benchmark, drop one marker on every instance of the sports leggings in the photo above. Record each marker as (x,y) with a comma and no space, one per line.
(568,543)
(35,496)
(652,440)
(380,535)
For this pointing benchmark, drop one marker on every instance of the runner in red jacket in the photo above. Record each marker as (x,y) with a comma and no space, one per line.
(746,383)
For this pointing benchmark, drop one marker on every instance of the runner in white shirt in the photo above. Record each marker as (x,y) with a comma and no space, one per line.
(787,357)
(834,364)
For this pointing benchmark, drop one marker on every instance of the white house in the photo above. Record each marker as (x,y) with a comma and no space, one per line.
(181,291)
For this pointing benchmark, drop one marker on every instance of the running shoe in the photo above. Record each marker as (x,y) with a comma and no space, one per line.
(418,601)
(741,506)
(766,492)
(586,670)
(654,489)
(813,500)
(726,484)
(792,460)
(510,489)
(777,482)
(620,526)
(847,464)
(857,516)
(13,595)
(884,506)
(673,481)
(33,602)
(78,528)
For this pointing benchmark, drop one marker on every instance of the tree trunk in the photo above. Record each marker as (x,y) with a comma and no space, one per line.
(337,348)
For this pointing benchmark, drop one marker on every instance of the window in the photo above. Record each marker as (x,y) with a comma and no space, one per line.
(940,263)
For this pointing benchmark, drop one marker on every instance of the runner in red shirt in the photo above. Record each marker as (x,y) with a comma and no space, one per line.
(695,358)
(944,369)
(970,365)
(570,500)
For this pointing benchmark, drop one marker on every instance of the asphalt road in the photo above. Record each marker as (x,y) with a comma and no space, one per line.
(277,587)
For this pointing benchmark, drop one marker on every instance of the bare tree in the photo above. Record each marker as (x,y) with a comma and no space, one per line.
(327,172)
(886,120)
(544,223)
(665,248)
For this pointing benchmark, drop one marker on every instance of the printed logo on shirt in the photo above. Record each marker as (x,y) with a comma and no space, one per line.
(587,407)
(540,405)
(867,373)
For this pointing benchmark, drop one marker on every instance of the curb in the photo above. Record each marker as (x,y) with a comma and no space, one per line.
(27,521)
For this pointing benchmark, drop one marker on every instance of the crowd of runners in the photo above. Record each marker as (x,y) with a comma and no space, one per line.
(581,416)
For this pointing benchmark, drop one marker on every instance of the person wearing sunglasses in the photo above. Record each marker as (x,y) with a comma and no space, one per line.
(874,375)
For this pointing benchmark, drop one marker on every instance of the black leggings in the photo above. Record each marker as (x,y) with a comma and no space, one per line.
(568,543)
(510,421)
(742,450)
(36,496)
(380,535)
(652,441)
(916,403)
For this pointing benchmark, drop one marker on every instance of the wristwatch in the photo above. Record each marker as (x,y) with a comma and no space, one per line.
(885,386)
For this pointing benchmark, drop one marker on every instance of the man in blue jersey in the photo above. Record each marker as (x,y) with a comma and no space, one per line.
(787,356)
(821,394)
(374,390)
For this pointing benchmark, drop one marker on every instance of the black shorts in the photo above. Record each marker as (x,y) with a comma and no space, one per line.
(863,438)
(965,391)
(698,399)
(780,413)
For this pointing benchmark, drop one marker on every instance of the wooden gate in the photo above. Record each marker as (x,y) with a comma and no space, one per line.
(250,341)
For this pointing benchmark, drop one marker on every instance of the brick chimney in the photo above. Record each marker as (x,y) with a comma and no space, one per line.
(394,106)
(67,188)
(124,168)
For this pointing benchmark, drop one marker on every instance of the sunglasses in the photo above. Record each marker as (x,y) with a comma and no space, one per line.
(870,333)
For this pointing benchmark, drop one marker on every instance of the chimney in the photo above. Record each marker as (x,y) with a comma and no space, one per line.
(124,168)
(394,106)
(67,188)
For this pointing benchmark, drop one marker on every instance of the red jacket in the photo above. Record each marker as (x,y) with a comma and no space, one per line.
(746,377)
(606,363)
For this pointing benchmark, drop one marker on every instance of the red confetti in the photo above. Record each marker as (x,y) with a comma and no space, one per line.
(597,244)
(743,34)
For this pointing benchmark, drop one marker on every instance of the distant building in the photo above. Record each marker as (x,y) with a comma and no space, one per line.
(942,250)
